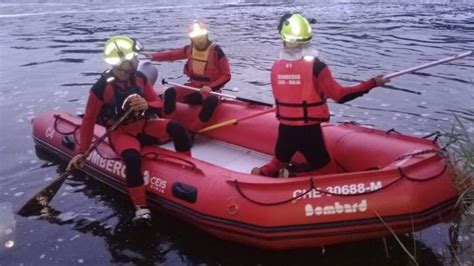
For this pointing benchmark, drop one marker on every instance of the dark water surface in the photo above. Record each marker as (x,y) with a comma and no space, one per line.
(50,54)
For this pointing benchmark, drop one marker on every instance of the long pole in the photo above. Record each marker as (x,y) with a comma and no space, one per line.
(163,81)
(427,65)
(236,120)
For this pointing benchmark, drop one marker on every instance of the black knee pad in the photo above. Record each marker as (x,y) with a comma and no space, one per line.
(169,100)
(131,155)
(132,159)
(178,134)
(208,107)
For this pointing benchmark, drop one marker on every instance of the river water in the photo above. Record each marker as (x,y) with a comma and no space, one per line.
(50,54)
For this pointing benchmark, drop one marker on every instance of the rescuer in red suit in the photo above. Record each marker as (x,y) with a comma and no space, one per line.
(301,83)
(118,89)
(207,68)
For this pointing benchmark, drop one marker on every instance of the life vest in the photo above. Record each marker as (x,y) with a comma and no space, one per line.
(112,109)
(298,100)
(201,66)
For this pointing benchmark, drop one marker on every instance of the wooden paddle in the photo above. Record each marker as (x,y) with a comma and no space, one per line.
(44,196)
(235,120)
(163,81)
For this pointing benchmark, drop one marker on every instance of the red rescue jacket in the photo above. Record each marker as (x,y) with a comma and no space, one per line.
(105,98)
(204,68)
(301,87)
(298,100)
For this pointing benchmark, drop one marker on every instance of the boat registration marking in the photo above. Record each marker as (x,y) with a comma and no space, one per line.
(348,189)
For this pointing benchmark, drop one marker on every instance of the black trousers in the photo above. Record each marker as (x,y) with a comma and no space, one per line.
(209,104)
(306,139)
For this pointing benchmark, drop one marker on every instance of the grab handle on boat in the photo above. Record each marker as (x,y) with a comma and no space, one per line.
(184,192)
(392,130)
(163,81)
(176,160)
(58,117)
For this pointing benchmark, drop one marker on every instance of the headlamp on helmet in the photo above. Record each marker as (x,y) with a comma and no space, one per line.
(196,29)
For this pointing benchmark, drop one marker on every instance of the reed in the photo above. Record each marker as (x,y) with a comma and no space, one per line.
(460,155)
(405,249)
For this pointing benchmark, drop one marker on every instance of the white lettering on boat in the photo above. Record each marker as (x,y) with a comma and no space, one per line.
(115,167)
(335,208)
(146,177)
(304,194)
(349,189)
(157,184)
(375,186)
(49,133)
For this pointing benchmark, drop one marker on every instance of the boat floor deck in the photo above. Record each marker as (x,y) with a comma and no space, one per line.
(224,154)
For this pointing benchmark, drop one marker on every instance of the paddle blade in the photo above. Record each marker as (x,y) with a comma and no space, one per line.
(39,201)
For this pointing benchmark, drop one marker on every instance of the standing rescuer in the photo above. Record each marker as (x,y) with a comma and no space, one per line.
(301,83)
(207,68)
(116,91)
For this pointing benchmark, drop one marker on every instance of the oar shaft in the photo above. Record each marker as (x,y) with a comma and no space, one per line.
(427,65)
(44,196)
(218,93)
(222,124)
(107,133)
(235,120)
(101,138)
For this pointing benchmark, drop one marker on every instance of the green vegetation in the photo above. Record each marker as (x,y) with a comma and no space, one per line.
(460,153)
(461,156)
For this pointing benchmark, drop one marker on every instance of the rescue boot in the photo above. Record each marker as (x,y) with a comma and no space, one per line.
(142,216)
(256,171)
(284,173)
(270,169)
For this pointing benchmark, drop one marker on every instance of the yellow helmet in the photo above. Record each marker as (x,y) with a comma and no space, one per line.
(119,49)
(294,28)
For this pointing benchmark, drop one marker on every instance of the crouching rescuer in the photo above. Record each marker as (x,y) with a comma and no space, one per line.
(301,83)
(116,91)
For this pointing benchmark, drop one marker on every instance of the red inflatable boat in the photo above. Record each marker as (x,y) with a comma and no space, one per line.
(377,180)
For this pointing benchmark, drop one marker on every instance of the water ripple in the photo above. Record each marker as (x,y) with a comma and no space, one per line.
(58,44)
